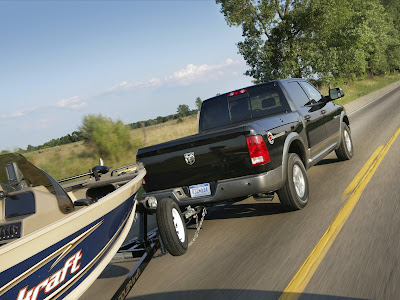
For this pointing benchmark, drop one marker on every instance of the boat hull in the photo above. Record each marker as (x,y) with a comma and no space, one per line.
(52,263)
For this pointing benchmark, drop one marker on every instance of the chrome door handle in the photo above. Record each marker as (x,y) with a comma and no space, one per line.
(307,117)
(323,112)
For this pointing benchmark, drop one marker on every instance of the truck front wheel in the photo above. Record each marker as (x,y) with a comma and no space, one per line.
(172,227)
(345,150)
(294,193)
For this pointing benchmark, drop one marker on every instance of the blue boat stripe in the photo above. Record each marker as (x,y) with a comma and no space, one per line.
(82,272)
(75,242)
(64,250)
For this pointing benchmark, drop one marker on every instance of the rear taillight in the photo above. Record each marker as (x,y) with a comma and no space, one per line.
(144,181)
(258,150)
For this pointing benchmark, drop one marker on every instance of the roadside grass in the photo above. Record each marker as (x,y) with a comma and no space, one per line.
(76,158)
(64,161)
(357,89)
(166,131)
(71,159)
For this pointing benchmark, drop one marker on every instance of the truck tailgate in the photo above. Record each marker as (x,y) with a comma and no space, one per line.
(212,156)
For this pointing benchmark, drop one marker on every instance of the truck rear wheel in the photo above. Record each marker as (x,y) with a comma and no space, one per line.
(345,150)
(172,227)
(294,193)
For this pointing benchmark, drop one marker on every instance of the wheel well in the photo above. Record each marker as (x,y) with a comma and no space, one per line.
(297,147)
(346,120)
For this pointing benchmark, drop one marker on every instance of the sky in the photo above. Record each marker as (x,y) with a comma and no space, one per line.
(127,60)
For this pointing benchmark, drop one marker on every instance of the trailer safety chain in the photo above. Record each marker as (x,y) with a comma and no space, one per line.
(198,225)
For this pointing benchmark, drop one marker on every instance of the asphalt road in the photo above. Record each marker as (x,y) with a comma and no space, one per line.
(252,250)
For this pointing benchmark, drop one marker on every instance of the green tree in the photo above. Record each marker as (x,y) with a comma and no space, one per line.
(159,119)
(111,139)
(354,41)
(393,52)
(183,110)
(273,35)
(303,38)
(198,103)
(76,136)
(30,148)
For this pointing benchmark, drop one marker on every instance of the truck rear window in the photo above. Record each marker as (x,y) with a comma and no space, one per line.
(260,101)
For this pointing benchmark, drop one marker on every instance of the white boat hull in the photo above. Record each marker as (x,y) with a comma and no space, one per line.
(62,259)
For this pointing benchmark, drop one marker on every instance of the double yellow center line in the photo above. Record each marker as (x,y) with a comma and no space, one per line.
(356,188)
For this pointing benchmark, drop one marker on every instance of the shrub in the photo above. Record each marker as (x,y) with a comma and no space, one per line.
(111,139)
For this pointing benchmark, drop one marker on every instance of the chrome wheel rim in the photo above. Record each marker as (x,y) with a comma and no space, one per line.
(299,181)
(178,224)
(347,140)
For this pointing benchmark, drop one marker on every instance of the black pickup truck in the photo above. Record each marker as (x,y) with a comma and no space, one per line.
(253,141)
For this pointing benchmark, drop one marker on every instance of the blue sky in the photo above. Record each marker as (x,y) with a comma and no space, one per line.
(128,60)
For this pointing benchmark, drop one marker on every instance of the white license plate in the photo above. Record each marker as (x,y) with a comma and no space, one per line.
(199,190)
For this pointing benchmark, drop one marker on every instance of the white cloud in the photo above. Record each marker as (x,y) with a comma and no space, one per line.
(125,85)
(75,102)
(192,73)
(186,76)
(70,103)
(15,114)
(119,86)
(18,113)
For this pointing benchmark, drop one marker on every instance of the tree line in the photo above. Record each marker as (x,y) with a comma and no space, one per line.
(91,124)
(75,136)
(330,41)
(183,110)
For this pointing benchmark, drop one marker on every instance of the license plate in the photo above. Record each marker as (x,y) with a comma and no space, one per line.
(199,190)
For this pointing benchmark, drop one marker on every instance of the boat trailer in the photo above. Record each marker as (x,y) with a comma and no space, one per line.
(143,246)
(147,244)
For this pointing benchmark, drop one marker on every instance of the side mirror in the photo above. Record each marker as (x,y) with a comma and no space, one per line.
(335,93)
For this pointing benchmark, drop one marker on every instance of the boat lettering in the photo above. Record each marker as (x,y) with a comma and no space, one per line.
(50,283)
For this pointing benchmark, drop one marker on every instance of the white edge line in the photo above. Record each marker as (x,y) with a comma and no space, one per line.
(373,100)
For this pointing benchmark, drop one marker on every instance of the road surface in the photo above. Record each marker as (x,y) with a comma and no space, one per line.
(252,250)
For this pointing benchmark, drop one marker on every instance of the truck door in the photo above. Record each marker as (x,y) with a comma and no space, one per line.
(312,114)
(330,112)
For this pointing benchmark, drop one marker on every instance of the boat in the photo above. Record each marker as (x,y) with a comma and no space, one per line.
(56,237)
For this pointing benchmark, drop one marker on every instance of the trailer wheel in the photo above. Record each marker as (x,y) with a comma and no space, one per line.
(345,150)
(294,193)
(171,226)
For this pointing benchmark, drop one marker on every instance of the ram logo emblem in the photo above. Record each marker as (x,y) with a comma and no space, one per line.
(189,158)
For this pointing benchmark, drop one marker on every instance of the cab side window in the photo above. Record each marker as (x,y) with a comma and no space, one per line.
(296,93)
(311,91)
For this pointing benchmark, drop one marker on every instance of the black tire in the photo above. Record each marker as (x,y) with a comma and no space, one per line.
(172,227)
(346,149)
(294,195)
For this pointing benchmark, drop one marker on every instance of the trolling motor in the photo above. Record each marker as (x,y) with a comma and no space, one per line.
(96,172)
(100,169)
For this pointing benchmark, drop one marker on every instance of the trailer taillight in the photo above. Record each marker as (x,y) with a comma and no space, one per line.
(258,150)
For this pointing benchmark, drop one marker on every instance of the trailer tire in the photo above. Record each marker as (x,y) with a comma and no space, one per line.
(172,227)
(345,150)
(294,192)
